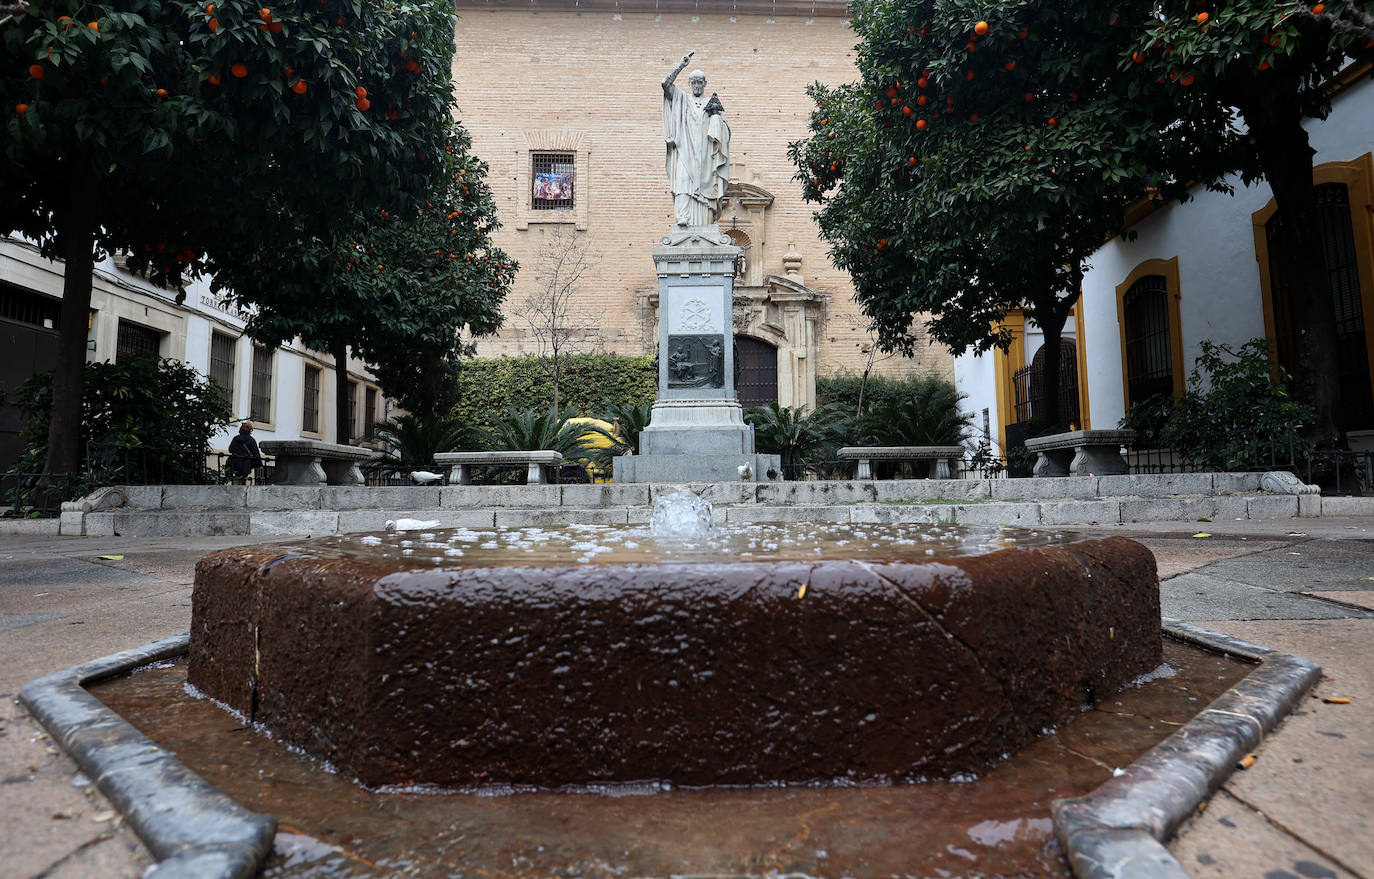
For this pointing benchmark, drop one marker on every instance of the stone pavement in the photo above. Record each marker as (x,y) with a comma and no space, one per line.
(1303,811)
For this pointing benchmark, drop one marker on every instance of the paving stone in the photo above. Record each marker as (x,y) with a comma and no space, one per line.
(284,497)
(176,497)
(1176,509)
(1272,506)
(715,492)
(1235,483)
(354,521)
(608,494)
(865,514)
(561,516)
(1199,596)
(1348,506)
(824,491)
(1153,485)
(293,522)
(1037,488)
(179,523)
(1080,512)
(933,489)
(799,513)
(1022,515)
(460,497)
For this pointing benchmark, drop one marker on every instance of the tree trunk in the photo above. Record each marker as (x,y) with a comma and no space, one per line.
(78,243)
(1053,329)
(1285,155)
(343,426)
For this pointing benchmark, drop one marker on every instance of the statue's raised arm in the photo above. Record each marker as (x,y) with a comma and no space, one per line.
(697,139)
(682,65)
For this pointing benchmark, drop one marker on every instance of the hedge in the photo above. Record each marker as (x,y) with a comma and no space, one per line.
(590,383)
(843,389)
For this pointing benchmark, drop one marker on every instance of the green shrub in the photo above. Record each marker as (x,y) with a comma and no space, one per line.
(591,384)
(798,436)
(415,438)
(1237,402)
(842,389)
(143,418)
(533,430)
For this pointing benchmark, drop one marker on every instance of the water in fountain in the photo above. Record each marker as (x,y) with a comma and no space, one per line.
(682,515)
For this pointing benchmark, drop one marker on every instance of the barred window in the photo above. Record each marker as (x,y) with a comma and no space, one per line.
(30,308)
(310,417)
(135,340)
(551,181)
(261,406)
(369,410)
(1149,361)
(352,410)
(223,349)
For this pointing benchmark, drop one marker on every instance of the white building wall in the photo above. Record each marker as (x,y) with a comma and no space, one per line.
(1219,273)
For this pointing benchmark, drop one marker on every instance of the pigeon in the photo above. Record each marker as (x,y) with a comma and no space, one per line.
(411,524)
(424,477)
(745,472)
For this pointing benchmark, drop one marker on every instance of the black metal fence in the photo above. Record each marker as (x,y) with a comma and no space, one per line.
(33,495)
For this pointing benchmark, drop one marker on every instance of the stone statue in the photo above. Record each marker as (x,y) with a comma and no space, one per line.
(698,148)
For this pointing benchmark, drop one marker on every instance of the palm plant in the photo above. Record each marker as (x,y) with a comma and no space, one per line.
(627,421)
(414,439)
(928,416)
(799,437)
(533,430)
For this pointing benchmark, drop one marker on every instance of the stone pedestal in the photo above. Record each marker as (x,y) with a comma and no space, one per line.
(697,432)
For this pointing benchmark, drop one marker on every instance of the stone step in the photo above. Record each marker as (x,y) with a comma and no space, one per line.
(1026,514)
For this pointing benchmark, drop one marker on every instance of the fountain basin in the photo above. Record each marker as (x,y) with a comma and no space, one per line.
(860,660)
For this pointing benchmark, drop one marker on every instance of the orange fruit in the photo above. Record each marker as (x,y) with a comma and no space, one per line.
(1264,65)
(891,92)
(1318,9)
(1137,57)
(265,14)
(274,27)
(1025,32)
(882,242)
(1186,80)
(93,25)
(879,105)
(21,109)
(906,111)
(161,93)
(214,25)
(363,104)
(1054,121)
(922,100)
(911,160)
(1010,65)
(36,71)
(1029,97)
(968,75)
(974,117)
(922,82)
(210,9)
(921,124)
(214,79)
(239,69)
(300,87)
(1202,17)
(360,92)
(980,28)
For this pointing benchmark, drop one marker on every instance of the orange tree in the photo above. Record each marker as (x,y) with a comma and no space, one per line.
(988,148)
(196,136)
(397,285)
(1273,63)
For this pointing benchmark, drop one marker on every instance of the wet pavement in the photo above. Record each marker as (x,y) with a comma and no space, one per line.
(1303,810)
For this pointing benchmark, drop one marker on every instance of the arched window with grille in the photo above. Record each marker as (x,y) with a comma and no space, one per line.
(1149,364)
(1147,304)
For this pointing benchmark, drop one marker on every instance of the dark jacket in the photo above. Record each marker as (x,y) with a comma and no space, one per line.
(243,455)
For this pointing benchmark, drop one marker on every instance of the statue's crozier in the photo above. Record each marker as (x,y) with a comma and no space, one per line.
(698,149)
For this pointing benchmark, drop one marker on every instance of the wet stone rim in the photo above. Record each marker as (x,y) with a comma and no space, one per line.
(1118,830)
(193,830)
(1115,832)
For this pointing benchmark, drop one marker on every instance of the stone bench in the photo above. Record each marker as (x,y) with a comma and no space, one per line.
(537,464)
(1081,453)
(946,458)
(311,462)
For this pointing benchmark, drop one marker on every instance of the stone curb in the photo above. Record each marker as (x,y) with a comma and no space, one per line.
(193,830)
(1118,830)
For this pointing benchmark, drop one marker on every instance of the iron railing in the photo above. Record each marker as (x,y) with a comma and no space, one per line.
(33,495)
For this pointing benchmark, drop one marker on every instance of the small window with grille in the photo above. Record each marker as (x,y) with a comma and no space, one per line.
(135,340)
(21,305)
(552,179)
(352,411)
(369,410)
(310,416)
(222,362)
(261,405)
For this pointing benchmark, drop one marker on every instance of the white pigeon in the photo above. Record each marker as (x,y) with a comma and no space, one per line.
(424,477)
(411,524)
